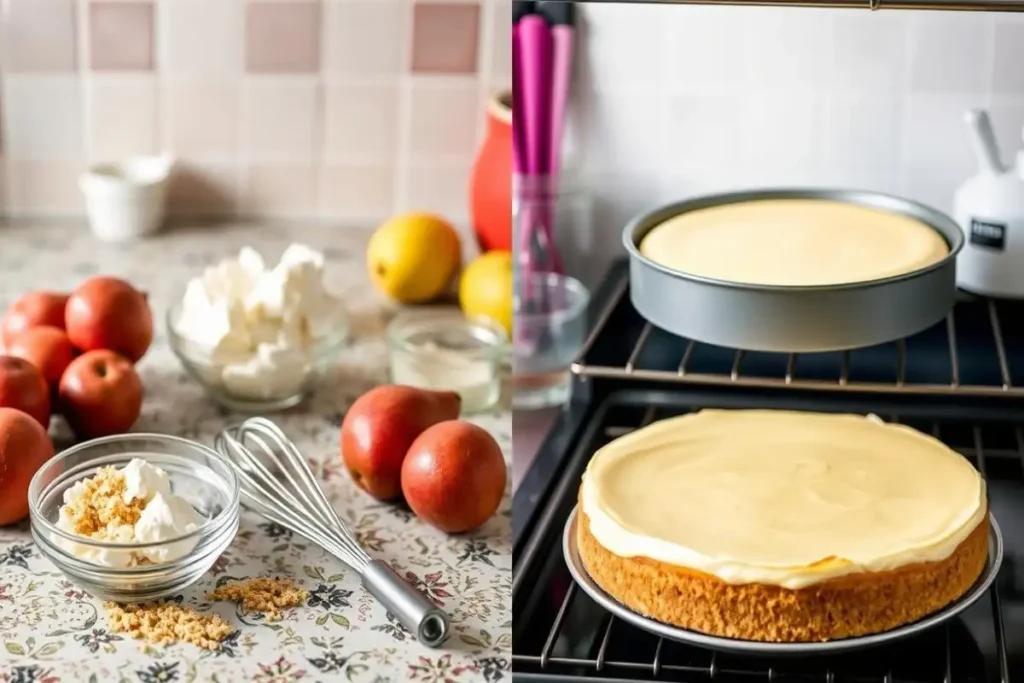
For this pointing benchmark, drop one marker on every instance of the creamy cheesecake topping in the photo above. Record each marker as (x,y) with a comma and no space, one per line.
(781,498)
(794,242)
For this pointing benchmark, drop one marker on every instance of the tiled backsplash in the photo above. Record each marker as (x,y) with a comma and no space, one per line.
(678,100)
(349,109)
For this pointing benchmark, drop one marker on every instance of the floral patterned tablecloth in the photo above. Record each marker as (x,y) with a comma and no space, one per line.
(52,632)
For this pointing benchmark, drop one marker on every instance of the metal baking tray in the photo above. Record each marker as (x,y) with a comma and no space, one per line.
(793,319)
(751,647)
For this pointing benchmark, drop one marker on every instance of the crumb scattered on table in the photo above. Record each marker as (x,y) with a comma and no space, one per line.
(163,623)
(262,594)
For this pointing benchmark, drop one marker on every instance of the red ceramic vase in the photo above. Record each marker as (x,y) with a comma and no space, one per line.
(491,181)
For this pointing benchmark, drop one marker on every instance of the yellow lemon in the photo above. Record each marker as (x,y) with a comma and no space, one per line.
(413,257)
(486,288)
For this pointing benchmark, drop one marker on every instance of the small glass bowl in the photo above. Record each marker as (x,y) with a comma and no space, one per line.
(198,362)
(444,350)
(196,473)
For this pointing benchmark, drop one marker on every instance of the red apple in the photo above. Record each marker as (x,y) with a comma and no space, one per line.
(108,313)
(100,394)
(32,309)
(379,428)
(24,447)
(23,388)
(48,348)
(454,476)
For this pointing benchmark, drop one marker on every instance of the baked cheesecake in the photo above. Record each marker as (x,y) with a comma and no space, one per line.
(794,242)
(782,526)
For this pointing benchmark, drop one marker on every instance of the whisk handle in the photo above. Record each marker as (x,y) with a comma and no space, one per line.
(410,607)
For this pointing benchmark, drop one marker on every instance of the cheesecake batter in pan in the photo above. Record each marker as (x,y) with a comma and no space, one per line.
(788,310)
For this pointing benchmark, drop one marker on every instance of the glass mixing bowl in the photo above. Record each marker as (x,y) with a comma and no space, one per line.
(257,395)
(196,473)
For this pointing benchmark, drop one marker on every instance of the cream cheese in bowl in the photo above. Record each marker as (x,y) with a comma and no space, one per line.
(131,505)
(254,335)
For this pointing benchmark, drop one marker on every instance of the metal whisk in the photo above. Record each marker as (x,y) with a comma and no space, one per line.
(292,498)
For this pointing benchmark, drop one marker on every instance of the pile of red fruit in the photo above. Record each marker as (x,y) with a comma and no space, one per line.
(404,441)
(71,354)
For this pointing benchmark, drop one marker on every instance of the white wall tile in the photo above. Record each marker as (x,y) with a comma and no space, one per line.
(1008,58)
(623,45)
(364,38)
(200,39)
(951,52)
(789,49)
(441,189)
(43,118)
(705,130)
(280,121)
(935,136)
(624,133)
(784,136)
(279,190)
(708,36)
(360,123)
(444,118)
(200,120)
(871,52)
(357,192)
(500,57)
(864,132)
(122,116)
(1008,122)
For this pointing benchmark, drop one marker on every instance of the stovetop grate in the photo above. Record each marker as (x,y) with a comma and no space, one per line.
(977,351)
(560,634)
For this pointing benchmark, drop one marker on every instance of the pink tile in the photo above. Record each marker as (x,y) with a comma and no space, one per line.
(39,35)
(445,37)
(44,188)
(203,190)
(282,37)
(279,190)
(121,36)
(357,192)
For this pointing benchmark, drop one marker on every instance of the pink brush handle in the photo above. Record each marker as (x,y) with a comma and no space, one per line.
(562,37)
(536,52)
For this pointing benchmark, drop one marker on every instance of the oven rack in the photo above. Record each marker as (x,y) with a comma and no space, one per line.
(930,363)
(995,448)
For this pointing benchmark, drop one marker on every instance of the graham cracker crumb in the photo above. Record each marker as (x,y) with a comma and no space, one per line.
(100,511)
(164,623)
(262,594)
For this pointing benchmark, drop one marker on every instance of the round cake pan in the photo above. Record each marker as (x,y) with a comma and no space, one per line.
(793,318)
(751,647)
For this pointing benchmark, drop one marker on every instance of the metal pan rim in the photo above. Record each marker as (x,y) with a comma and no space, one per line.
(751,647)
(639,226)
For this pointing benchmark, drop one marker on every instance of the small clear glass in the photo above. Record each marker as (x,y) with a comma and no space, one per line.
(446,350)
(551,217)
(550,326)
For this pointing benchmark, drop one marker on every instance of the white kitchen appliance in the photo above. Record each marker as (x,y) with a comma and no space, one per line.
(990,210)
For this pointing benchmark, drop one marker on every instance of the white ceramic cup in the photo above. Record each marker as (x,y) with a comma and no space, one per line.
(126,200)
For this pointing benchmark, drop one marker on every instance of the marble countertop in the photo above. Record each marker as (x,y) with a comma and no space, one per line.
(52,632)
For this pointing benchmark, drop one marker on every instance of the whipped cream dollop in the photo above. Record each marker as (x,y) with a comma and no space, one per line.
(137,486)
(260,324)
(779,497)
